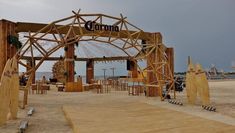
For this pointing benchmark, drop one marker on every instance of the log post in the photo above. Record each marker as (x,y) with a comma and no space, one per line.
(153,62)
(133,68)
(170,60)
(69,63)
(89,71)
(159,66)
(7,50)
(31,63)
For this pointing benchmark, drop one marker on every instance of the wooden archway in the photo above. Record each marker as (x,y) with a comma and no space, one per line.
(73,29)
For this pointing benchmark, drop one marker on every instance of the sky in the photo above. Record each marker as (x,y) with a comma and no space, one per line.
(202,29)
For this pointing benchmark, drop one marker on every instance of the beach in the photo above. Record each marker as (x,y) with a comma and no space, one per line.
(51,110)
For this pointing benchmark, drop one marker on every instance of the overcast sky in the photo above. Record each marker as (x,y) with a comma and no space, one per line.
(203,29)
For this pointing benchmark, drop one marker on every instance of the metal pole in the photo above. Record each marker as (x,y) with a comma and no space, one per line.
(113,68)
(104,72)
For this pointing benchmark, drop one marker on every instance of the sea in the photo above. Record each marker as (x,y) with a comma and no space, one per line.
(48,75)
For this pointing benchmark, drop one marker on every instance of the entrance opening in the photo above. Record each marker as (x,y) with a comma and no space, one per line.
(94,38)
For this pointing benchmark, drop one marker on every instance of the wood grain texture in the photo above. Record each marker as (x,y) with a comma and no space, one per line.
(191,86)
(14,90)
(202,85)
(5,92)
(137,117)
(73,87)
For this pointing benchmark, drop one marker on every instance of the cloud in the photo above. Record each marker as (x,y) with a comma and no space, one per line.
(203,29)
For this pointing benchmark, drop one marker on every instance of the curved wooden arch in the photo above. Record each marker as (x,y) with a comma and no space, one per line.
(70,30)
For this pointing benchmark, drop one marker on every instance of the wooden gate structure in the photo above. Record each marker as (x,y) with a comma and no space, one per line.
(106,30)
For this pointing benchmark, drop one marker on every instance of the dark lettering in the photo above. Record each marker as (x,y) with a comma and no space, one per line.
(116,28)
(93,26)
(89,26)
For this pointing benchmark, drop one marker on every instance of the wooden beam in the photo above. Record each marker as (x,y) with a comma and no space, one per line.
(79,59)
(69,63)
(7,50)
(89,71)
(170,59)
(35,27)
(133,69)
(31,63)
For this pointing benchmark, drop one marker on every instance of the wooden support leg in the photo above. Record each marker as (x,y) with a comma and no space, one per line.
(25,98)
(89,71)
(69,63)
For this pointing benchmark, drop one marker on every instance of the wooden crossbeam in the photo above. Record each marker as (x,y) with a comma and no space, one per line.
(35,27)
(79,59)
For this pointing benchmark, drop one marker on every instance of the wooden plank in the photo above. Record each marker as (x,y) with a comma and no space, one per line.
(7,51)
(170,60)
(34,27)
(69,87)
(69,64)
(25,96)
(14,92)
(159,67)
(202,85)
(155,58)
(25,102)
(74,86)
(1,45)
(3,39)
(14,99)
(191,87)
(79,84)
(79,59)
(5,92)
(133,69)
(89,71)
(151,58)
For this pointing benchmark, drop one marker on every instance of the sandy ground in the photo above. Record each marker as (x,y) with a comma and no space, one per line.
(222,96)
(49,117)
(132,117)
